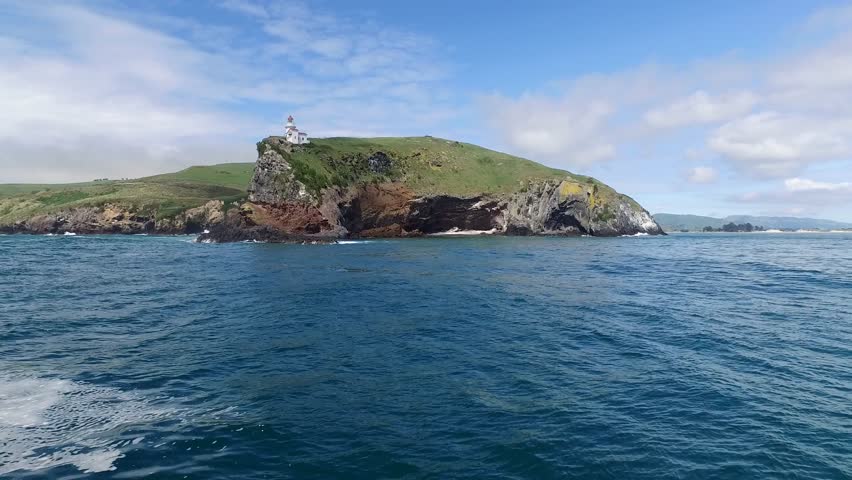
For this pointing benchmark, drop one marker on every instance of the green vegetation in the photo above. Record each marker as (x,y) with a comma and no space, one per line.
(733,228)
(231,175)
(164,195)
(427,165)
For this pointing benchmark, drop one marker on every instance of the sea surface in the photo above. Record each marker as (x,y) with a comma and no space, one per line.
(699,356)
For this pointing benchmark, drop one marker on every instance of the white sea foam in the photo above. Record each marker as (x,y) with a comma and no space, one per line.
(640,234)
(70,234)
(457,231)
(353,242)
(46,423)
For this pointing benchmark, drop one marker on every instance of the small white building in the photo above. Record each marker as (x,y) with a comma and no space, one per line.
(292,134)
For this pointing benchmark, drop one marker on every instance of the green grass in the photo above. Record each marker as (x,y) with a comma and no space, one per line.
(231,175)
(16,189)
(427,165)
(161,195)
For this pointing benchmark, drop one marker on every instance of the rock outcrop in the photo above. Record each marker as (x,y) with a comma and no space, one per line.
(114,218)
(274,181)
(571,208)
(283,207)
(342,188)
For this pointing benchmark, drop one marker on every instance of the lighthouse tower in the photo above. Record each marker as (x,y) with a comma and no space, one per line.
(292,133)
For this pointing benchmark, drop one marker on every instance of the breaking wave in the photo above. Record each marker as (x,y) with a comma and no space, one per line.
(46,423)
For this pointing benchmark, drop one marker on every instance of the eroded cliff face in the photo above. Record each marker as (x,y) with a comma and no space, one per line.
(282,208)
(571,208)
(120,219)
(274,181)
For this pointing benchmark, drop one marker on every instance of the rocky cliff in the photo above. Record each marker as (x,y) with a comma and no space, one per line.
(337,188)
(120,219)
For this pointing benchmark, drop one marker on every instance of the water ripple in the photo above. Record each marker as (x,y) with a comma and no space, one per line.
(691,356)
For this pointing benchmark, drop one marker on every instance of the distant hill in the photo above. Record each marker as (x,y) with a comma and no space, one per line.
(164,195)
(674,222)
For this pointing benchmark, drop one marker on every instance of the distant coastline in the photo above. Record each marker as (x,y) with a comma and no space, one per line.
(740,223)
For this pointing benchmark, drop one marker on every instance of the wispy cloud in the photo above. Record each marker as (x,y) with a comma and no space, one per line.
(165,87)
(768,119)
(702,175)
(799,196)
(775,144)
(701,108)
(806,185)
(567,131)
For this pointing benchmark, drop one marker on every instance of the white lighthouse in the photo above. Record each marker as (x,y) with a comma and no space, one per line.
(292,134)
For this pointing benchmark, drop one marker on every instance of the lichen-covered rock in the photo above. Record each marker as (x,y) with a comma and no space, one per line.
(281,206)
(274,181)
(546,209)
(88,220)
(114,218)
(572,208)
(194,220)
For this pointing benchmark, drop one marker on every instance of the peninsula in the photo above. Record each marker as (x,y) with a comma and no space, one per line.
(325,189)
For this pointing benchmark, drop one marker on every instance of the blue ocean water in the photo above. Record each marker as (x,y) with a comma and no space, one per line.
(688,356)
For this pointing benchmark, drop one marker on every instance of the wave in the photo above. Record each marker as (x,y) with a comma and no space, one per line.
(46,423)
(640,234)
(457,231)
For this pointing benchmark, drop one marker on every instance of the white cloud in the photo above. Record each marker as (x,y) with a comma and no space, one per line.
(821,69)
(835,17)
(774,144)
(806,185)
(802,196)
(146,85)
(702,175)
(768,118)
(571,123)
(701,108)
(567,131)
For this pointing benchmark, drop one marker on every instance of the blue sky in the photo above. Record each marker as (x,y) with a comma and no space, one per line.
(710,108)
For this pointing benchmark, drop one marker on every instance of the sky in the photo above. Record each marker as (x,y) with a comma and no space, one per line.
(708,108)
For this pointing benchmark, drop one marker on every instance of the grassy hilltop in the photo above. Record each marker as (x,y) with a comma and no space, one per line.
(427,165)
(164,195)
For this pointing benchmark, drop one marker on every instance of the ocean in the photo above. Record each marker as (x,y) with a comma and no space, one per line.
(707,356)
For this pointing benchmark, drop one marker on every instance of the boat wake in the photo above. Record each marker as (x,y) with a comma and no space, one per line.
(46,423)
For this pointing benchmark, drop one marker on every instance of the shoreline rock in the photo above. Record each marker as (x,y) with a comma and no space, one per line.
(281,207)
(315,193)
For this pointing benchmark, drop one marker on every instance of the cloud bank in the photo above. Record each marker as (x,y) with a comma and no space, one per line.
(765,119)
(91,92)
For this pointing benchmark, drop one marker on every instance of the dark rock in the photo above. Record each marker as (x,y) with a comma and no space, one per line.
(443,213)
(379,162)
(237,227)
